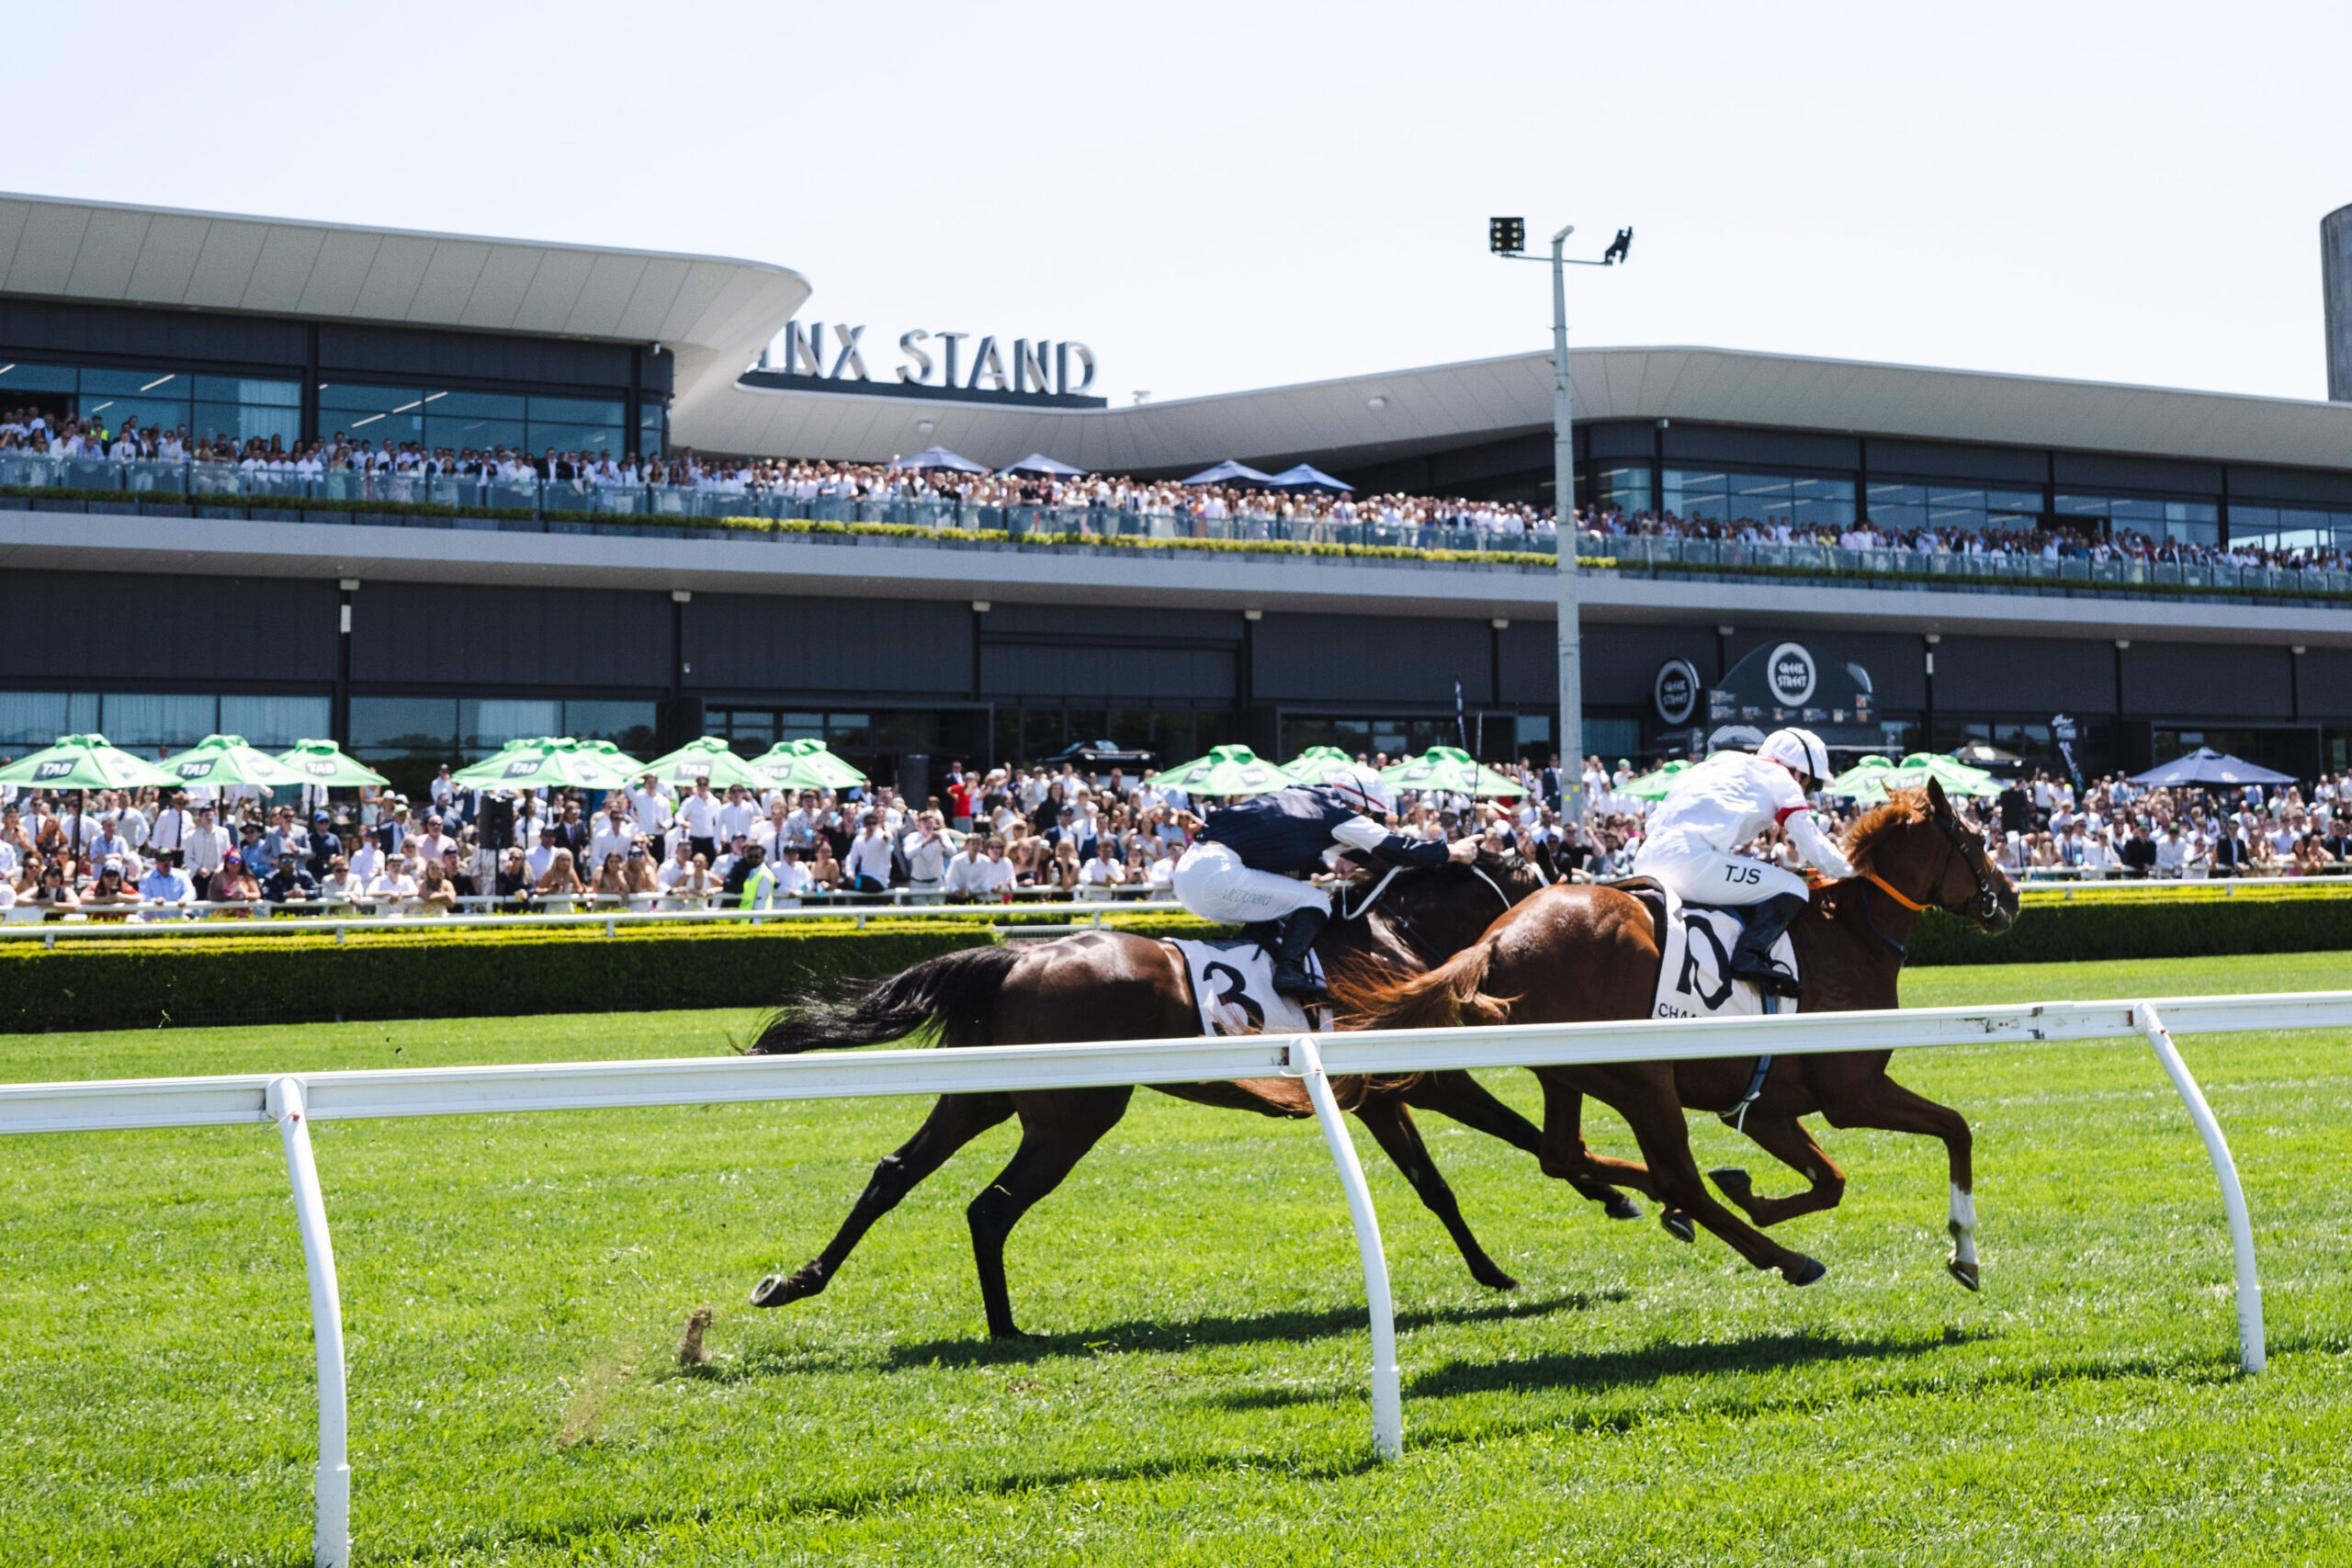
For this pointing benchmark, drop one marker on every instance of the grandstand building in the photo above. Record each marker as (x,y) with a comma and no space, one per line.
(413,636)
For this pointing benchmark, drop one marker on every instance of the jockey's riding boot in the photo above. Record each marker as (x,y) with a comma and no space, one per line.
(1299,932)
(1752,958)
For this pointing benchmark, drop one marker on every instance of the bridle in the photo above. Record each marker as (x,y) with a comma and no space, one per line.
(1980,908)
(1404,922)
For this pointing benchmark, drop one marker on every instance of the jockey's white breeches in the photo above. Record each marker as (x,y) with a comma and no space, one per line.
(1718,877)
(1212,882)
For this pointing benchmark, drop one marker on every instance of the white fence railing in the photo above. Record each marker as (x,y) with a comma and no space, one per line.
(293,1100)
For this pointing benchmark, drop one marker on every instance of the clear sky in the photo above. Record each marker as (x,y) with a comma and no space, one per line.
(1216,195)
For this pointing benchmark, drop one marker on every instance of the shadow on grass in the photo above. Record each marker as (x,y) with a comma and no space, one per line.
(1148,1335)
(1595,1370)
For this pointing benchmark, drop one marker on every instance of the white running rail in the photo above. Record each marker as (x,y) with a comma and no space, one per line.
(292,1101)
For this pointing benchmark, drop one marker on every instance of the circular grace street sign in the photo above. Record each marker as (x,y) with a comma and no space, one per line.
(1676,690)
(1790,674)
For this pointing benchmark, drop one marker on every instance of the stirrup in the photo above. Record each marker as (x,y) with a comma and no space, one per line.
(1300,985)
(1771,979)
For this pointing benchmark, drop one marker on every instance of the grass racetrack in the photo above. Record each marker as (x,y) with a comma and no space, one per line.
(513,1288)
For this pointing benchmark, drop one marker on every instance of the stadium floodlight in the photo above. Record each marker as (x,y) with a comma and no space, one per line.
(1507,238)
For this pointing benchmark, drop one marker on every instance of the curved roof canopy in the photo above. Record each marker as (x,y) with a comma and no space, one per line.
(716,314)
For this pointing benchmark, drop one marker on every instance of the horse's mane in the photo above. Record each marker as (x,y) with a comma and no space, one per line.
(1903,809)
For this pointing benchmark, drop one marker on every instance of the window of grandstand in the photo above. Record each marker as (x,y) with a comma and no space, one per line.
(247,408)
(2193,522)
(147,719)
(1802,500)
(480,421)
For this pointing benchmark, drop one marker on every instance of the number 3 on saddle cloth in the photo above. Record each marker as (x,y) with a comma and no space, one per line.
(1233,985)
(1694,954)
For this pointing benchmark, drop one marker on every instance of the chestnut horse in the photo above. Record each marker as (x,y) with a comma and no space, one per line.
(1118,985)
(1584,953)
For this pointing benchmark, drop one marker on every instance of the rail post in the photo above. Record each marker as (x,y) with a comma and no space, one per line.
(2252,1354)
(1387,1393)
(331,1536)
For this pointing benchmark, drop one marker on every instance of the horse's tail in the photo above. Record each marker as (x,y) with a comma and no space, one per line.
(1454,992)
(957,991)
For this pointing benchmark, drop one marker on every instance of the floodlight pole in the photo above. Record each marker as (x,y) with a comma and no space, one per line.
(1570,612)
(1506,236)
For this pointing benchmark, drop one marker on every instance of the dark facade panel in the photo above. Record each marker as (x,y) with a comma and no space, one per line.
(2096,471)
(1940,460)
(2323,683)
(1766,449)
(1142,677)
(2011,675)
(40,328)
(877,647)
(1106,624)
(524,640)
(2290,486)
(1621,661)
(84,626)
(1618,438)
(379,351)
(2214,681)
(1368,659)
(1465,467)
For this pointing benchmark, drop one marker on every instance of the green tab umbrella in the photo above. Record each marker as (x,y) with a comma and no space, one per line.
(1449,770)
(615,757)
(707,758)
(1958,778)
(227,759)
(1865,780)
(548,763)
(806,764)
(1227,771)
(1313,765)
(86,761)
(1654,785)
(323,764)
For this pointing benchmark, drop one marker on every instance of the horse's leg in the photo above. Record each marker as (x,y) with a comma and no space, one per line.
(1392,1127)
(1880,1102)
(1783,1136)
(956,1121)
(1565,1154)
(1057,1127)
(1468,1101)
(1644,1096)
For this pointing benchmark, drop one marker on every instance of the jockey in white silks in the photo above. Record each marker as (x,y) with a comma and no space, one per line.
(1244,868)
(1694,840)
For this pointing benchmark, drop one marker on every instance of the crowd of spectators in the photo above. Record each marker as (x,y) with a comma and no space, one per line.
(1087,501)
(993,834)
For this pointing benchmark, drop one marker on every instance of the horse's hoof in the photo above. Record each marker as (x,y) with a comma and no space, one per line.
(1012,1336)
(1678,1224)
(1617,1206)
(1965,1273)
(1731,1179)
(1805,1271)
(1495,1279)
(780,1290)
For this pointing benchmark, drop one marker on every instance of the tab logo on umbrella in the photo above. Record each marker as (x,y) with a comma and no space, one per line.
(196,770)
(57,770)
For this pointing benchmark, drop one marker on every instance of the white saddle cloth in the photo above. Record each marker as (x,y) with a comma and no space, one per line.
(1691,973)
(1233,984)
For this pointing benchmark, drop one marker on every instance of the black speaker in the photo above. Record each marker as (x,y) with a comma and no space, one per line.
(497,822)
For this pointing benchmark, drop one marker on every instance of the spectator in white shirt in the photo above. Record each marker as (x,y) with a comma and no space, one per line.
(650,805)
(979,873)
(927,852)
(792,879)
(868,864)
(394,881)
(699,814)
(735,816)
(1103,870)
(616,834)
(540,856)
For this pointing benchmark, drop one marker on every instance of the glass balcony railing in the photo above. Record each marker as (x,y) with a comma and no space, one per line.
(666,510)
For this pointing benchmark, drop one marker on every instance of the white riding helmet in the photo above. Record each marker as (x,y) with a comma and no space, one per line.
(1364,789)
(1800,749)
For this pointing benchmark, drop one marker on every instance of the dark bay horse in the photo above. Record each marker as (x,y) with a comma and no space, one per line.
(1590,952)
(1125,986)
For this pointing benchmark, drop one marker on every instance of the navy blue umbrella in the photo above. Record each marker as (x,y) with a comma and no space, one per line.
(1038,463)
(939,457)
(1306,476)
(1230,472)
(2207,766)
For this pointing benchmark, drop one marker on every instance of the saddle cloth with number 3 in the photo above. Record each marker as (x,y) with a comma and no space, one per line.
(1691,982)
(1233,984)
